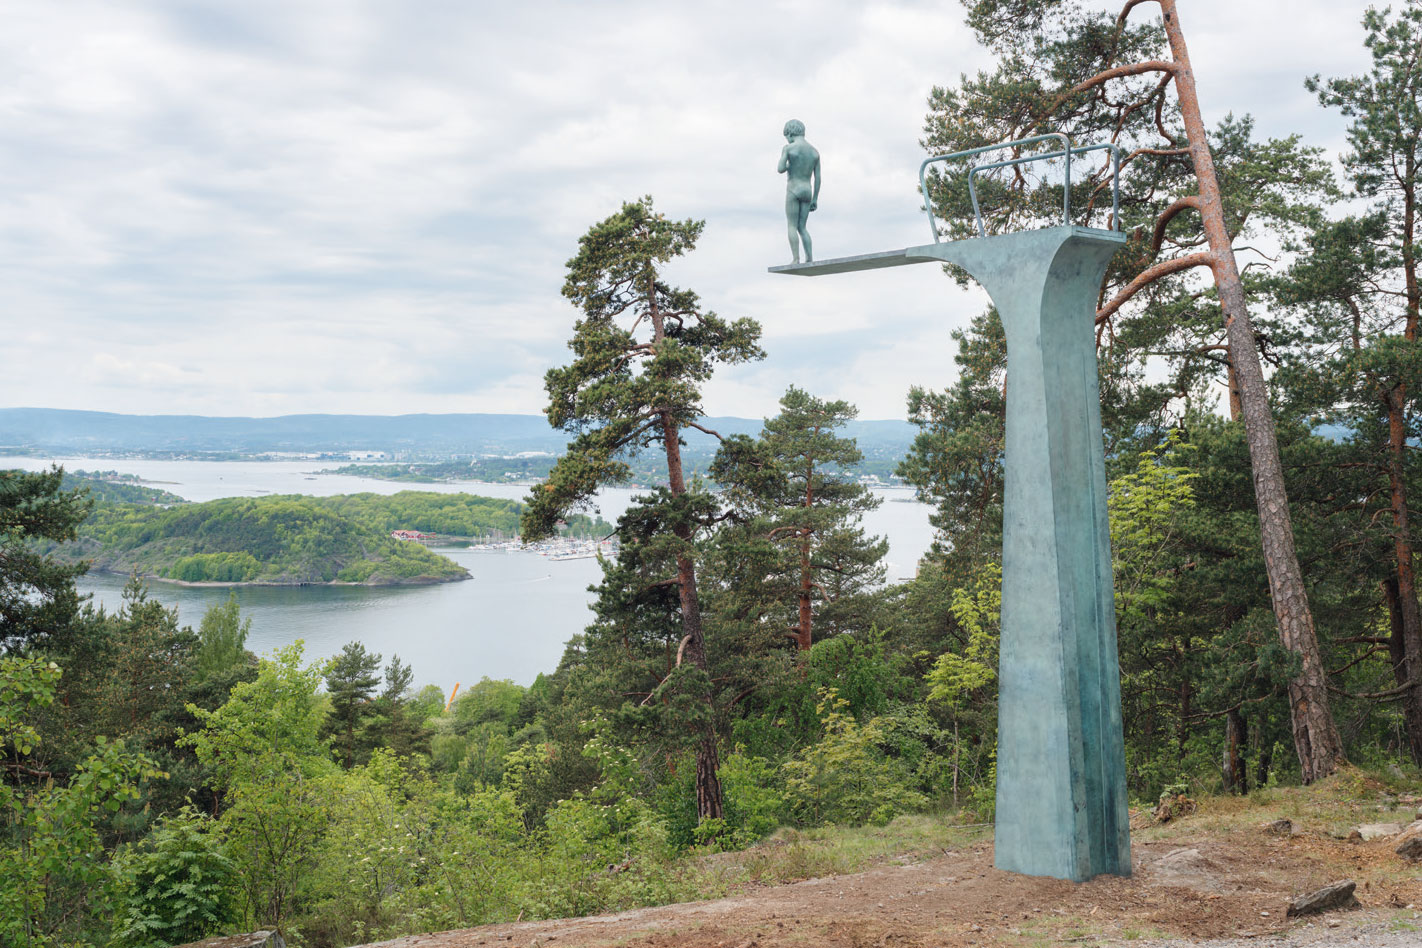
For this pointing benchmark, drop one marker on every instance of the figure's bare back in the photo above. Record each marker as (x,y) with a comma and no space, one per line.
(800,159)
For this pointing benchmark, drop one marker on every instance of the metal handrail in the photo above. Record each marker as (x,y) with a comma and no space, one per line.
(1066,152)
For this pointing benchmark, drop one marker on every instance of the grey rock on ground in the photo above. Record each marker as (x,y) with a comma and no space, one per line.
(1333,896)
(1187,868)
(267,939)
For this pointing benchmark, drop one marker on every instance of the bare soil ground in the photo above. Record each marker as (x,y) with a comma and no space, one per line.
(1214,875)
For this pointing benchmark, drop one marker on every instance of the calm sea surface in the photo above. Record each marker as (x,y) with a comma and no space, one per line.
(510,621)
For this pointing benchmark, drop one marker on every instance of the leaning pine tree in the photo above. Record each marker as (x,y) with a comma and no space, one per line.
(642,350)
(1097,77)
(1354,300)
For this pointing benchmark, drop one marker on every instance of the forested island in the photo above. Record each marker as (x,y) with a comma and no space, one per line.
(112,487)
(288,540)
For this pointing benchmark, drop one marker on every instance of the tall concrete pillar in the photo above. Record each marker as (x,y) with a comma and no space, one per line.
(1061,779)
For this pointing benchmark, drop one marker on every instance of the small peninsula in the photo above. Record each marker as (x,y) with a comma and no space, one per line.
(290,539)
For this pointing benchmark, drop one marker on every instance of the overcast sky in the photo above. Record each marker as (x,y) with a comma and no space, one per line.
(262,207)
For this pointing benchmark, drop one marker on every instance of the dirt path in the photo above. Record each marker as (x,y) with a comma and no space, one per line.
(1211,887)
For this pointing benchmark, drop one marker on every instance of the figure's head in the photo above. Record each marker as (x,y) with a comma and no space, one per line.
(794,128)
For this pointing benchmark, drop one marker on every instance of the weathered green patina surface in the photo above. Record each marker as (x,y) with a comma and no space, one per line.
(800,163)
(1061,781)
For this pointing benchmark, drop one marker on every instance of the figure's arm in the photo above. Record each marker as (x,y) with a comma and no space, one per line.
(784,160)
(815,201)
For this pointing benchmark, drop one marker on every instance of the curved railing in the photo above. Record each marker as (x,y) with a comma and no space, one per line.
(1067,150)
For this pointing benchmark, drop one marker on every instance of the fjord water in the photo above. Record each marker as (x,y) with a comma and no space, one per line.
(512,620)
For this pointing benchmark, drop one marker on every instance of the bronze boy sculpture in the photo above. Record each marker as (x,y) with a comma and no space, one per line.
(801,161)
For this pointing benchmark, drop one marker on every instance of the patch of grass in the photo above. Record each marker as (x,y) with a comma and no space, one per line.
(1404,923)
(792,855)
(1332,806)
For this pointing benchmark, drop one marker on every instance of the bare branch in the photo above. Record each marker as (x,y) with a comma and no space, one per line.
(1160,121)
(19,768)
(713,434)
(681,649)
(1166,216)
(1390,693)
(1150,275)
(1117,72)
(1130,5)
(1162,152)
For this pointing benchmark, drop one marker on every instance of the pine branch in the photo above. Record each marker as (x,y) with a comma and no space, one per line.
(1166,216)
(1149,276)
(713,434)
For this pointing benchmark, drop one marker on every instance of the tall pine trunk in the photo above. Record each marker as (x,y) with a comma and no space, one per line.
(804,640)
(1409,616)
(804,631)
(708,785)
(1407,619)
(1320,749)
(1236,774)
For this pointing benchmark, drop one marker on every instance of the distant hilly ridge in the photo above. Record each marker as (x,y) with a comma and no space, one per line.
(94,431)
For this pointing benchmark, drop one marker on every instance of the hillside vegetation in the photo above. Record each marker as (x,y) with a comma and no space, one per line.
(291,539)
(262,539)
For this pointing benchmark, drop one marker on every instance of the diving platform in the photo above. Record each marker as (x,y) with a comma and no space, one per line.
(1061,778)
(955,251)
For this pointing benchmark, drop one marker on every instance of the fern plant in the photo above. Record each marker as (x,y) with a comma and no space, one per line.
(180,885)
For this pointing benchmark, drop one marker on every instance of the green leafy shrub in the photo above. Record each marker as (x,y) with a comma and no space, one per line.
(179,884)
(54,882)
(846,777)
(236,567)
(755,799)
(358,572)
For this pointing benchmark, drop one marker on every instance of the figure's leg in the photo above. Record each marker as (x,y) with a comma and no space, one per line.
(802,219)
(792,224)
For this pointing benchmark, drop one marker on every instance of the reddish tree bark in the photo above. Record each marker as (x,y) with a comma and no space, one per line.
(1395,401)
(804,635)
(708,785)
(1407,616)
(1316,739)
(804,638)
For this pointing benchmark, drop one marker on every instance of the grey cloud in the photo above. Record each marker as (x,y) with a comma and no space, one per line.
(358,205)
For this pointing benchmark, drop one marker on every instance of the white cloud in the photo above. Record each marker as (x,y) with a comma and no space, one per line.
(266,207)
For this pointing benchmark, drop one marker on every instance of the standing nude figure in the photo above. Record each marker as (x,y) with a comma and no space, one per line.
(801,161)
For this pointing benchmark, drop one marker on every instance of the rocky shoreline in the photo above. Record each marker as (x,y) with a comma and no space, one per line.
(376,582)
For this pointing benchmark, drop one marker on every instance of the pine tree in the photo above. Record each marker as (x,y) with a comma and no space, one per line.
(394,726)
(37,596)
(1357,288)
(799,513)
(1097,78)
(351,678)
(955,461)
(642,350)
